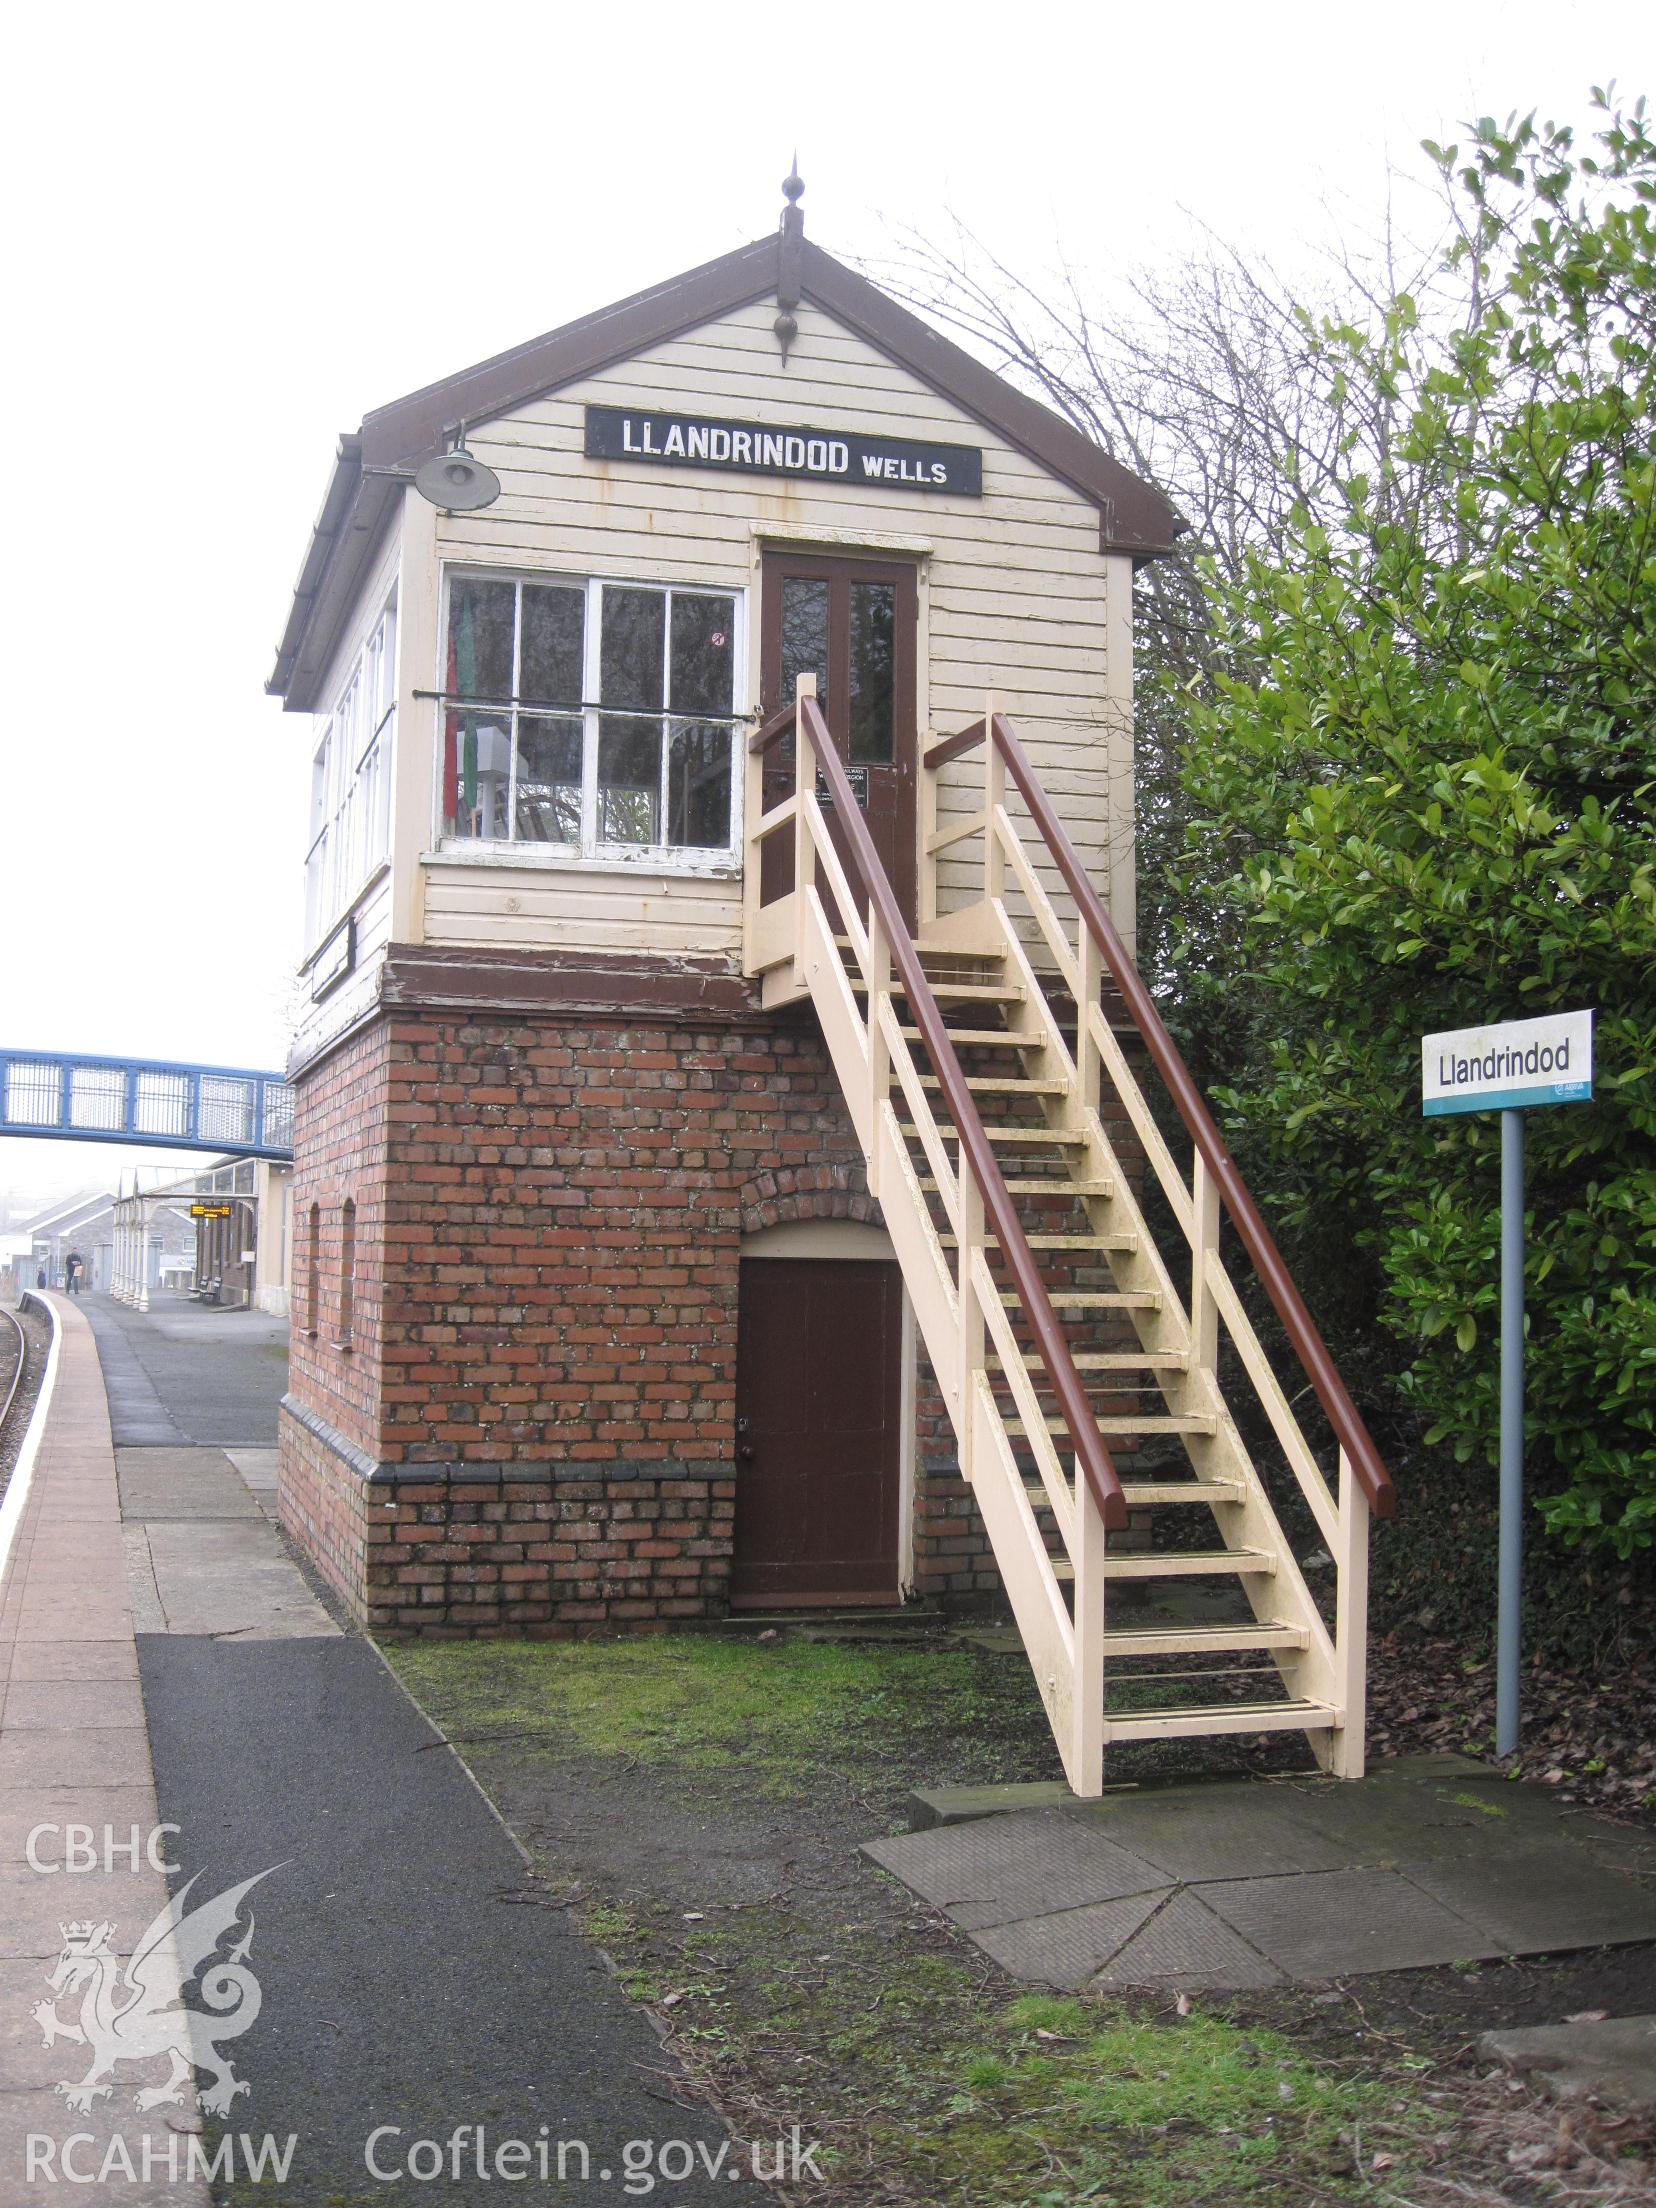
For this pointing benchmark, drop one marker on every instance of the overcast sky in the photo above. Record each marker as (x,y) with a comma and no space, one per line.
(233,230)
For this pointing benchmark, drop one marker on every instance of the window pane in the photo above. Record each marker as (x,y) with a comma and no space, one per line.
(385,696)
(698,787)
(634,646)
(702,656)
(476,774)
(548,781)
(481,614)
(873,630)
(804,637)
(554,622)
(629,781)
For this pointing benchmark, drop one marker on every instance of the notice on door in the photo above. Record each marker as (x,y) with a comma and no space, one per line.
(1505,1067)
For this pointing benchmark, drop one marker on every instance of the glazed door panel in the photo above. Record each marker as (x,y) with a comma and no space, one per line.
(852,623)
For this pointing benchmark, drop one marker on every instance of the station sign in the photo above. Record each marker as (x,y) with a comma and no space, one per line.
(765,448)
(209,1211)
(1508,1067)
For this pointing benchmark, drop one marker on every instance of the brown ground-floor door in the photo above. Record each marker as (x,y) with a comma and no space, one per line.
(818,1431)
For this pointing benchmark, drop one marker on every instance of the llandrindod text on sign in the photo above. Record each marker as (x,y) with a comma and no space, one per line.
(769,448)
(1505,1067)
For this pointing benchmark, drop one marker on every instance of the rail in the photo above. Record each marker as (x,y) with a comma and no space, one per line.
(17,1376)
(1217,1177)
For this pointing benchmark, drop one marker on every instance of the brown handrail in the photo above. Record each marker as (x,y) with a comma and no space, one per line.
(1330,1390)
(772,731)
(1094,1458)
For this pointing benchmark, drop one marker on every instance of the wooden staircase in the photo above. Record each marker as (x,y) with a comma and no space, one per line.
(1014,1154)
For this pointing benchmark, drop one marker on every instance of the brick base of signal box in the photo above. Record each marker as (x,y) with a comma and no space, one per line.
(520,1195)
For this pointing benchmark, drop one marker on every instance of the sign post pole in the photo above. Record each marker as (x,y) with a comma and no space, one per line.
(1510,1068)
(1511,1577)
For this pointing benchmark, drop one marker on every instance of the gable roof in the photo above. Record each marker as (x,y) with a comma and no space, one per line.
(372,464)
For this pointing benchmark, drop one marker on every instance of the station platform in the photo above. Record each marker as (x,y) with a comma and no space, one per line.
(175,1692)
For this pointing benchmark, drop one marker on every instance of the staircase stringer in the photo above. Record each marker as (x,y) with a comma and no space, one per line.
(1066,1660)
(1310,1673)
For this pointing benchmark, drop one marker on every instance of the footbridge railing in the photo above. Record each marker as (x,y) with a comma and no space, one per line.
(149,1101)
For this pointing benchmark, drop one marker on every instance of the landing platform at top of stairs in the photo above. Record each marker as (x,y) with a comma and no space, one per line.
(1430,1860)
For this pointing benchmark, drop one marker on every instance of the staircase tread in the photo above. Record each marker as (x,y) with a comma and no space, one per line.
(1050,1188)
(965,992)
(988,1084)
(1177,1564)
(1147,1491)
(1222,1717)
(1190,1640)
(1057,1241)
(981,1036)
(1061,1138)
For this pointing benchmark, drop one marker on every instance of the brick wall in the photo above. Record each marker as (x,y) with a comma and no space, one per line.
(531,1426)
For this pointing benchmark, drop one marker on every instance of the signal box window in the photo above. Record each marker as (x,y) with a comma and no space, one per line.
(595,718)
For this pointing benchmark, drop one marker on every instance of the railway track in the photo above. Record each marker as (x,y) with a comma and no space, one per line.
(15,1347)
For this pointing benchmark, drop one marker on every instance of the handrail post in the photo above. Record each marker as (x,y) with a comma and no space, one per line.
(994,797)
(1347,1748)
(753,852)
(1088,980)
(879,1047)
(1204,1243)
(1089,1595)
(971,1311)
(927,911)
(805,781)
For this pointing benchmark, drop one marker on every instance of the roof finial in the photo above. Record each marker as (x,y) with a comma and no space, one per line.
(790,253)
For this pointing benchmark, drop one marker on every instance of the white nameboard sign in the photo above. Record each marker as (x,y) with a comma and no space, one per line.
(1508,1066)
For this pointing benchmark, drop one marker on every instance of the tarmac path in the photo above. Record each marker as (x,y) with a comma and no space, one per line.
(413,1980)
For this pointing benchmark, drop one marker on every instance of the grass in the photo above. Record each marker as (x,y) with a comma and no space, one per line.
(839,2003)
(777,1714)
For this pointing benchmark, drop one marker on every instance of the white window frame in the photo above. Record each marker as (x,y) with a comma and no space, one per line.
(591,853)
(351,770)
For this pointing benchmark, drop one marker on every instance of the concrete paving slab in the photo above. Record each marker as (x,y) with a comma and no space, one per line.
(959,1805)
(257,1467)
(997,1869)
(36,1704)
(34,1909)
(1541,1900)
(1185,1945)
(229,1576)
(1613,2059)
(50,1615)
(1329,1924)
(74,1660)
(1394,1818)
(70,2171)
(113,1755)
(143,1596)
(187,1484)
(1206,1832)
(49,1810)
(1070,1947)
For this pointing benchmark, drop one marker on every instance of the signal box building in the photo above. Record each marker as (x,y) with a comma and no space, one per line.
(714,1159)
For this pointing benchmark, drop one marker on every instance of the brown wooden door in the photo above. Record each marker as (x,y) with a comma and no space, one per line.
(851,623)
(818,1431)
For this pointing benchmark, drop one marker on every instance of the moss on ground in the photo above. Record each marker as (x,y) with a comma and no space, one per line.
(777,1715)
(839,2003)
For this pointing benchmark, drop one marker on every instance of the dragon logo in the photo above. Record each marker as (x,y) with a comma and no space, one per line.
(136,2012)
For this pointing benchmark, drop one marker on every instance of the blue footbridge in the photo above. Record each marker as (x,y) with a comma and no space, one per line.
(145,1101)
